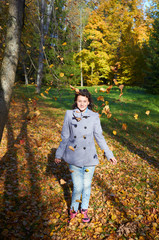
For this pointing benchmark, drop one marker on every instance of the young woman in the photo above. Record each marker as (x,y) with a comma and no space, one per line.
(77,148)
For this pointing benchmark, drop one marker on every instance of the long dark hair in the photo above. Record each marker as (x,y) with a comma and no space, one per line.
(85,93)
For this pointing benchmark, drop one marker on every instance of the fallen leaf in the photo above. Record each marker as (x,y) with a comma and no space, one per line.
(115,132)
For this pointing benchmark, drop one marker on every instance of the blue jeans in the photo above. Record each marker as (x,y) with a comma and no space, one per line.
(82,179)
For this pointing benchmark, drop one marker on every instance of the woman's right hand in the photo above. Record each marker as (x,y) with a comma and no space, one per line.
(57,160)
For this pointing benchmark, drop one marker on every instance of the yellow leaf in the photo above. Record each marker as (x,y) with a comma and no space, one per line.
(43,47)
(51,65)
(106,102)
(71,148)
(115,132)
(62,182)
(147,112)
(102,90)
(115,81)
(136,116)
(87,170)
(64,44)
(61,74)
(95,90)
(61,59)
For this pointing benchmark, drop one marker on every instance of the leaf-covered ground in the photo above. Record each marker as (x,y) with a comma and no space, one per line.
(35,193)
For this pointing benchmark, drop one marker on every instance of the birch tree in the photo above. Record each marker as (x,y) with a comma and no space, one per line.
(10,59)
(44,9)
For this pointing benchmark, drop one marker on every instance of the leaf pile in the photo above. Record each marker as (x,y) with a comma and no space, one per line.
(36,193)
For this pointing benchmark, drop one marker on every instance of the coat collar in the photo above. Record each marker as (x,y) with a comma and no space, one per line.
(79,115)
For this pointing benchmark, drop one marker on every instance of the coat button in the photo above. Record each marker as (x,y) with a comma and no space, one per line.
(85,127)
(75,146)
(84,148)
(74,136)
(75,125)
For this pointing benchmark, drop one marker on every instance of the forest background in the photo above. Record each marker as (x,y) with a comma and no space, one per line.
(87,43)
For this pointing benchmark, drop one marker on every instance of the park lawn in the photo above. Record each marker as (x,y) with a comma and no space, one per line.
(35,193)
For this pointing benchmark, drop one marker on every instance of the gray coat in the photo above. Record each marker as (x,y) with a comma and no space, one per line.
(77,146)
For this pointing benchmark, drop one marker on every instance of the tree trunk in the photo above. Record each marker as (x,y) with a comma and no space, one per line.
(44,28)
(10,59)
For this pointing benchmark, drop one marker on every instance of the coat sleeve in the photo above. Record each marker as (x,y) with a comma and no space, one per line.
(65,134)
(98,134)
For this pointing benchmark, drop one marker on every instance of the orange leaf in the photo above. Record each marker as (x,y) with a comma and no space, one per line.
(102,90)
(124,126)
(75,89)
(108,89)
(71,148)
(78,201)
(100,98)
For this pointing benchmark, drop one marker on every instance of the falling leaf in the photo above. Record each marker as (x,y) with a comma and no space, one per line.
(71,170)
(75,89)
(147,112)
(115,81)
(22,141)
(71,148)
(108,89)
(102,90)
(106,109)
(100,98)
(115,132)
(124,126)
(136,116)
(51,65)
(61,74)
(87,170)
(62,182)
(64,44)
(78,201)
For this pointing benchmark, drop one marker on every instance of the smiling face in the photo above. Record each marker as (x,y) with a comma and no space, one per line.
(82,103)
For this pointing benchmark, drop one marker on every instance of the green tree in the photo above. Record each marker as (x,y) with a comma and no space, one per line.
(152,58)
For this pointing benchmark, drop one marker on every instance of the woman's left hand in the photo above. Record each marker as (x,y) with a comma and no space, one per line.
(113,161)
